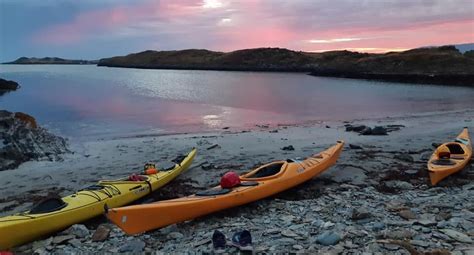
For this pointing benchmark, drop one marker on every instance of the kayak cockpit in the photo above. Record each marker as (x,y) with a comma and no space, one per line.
(267,171)
(455,148)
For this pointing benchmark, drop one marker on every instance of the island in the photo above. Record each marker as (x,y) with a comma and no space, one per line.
(51,61)
(431,65)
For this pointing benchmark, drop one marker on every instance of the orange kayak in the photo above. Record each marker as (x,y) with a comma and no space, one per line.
(450,157)
(262,182)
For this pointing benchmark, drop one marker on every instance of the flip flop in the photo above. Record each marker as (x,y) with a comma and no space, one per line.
(242,240)
(219,241)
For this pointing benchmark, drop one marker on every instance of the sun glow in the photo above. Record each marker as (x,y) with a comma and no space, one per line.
(336,40)
(212,4)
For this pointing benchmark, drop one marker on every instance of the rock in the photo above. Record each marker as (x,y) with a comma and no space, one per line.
(28,119)
(101,233)
(394,184)
(134,246)
(288,233)
(398,234)
(358,128)
(407,214)
(360,213)
(78,230)
(213,146)
(378,226)
(355,147)
(378,130)
(328,238)
(62,239)
(75,242)
(458,236)
(21,140)
(175,235)
(288,148)
(297,247)
(426,223)
(366,131)
(8,85)
(404,157)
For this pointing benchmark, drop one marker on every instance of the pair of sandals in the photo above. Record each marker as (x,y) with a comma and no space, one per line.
(241,239)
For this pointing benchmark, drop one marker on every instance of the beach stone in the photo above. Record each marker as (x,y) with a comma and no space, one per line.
(458,236)
(366,131)
(134,245)
(426,223)
(399,234)
(288,233)
(420,243)
(285,241)
(378,226)
(288,148)
(394,184)
(298,247)
(62,239)
(404,157)
(355,147)
(101,233)
(356,128)
(407,214)
(78,230)
(175,235)
(75,243)
(379,130)
(360,214)
(328,238)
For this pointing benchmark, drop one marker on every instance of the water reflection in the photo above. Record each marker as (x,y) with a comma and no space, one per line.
(84,100)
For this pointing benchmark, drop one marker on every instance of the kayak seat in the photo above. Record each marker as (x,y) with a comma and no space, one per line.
(213,192)
(178,159)
(166,166)
(49,204)
(443,162)
(457,157)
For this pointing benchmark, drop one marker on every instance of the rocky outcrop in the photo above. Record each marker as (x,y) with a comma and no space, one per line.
(6,85)
(22,140)
(435,65)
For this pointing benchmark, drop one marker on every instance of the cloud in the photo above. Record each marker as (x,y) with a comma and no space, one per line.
(311,25)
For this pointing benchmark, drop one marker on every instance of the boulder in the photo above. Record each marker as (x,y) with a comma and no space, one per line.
(8,85)
(22,140)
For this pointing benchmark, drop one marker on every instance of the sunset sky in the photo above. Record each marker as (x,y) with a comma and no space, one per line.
(92,29)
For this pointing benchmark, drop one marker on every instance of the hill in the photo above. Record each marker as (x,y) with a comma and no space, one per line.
(437,65)
(51,61)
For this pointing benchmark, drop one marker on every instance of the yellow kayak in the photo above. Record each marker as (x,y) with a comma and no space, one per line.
(450,157)
(56,214)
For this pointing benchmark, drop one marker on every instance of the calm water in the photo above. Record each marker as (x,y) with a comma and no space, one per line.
(84,101)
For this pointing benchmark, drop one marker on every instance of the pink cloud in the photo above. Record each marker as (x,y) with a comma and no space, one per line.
(230,25)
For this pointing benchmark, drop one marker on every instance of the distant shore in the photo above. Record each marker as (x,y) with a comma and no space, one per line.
(438,65)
